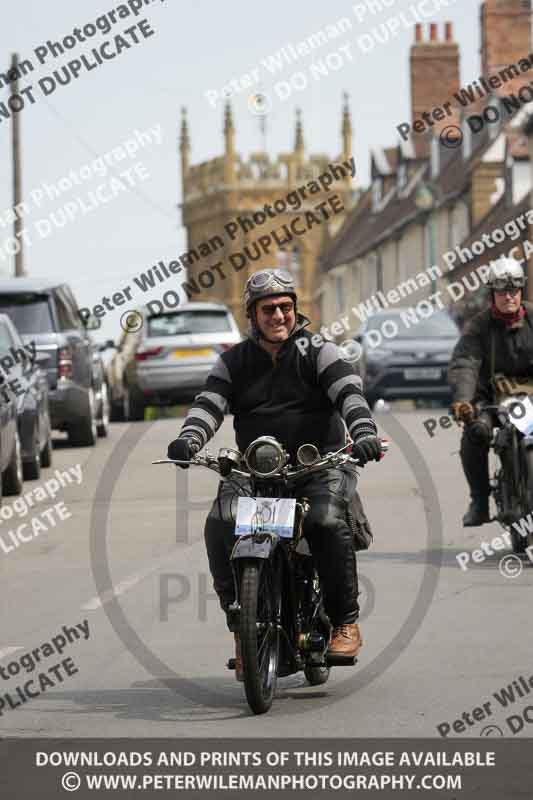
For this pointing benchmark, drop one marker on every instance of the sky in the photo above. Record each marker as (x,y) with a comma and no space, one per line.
(184,51)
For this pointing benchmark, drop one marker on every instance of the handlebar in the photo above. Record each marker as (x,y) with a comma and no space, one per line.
(335,459)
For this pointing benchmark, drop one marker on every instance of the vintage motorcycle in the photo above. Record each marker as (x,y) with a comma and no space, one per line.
(512,482)
(278,610)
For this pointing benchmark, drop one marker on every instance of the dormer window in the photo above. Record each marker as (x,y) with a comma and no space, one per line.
(377,193)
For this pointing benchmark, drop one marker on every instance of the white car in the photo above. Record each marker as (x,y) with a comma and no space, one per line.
(169,358)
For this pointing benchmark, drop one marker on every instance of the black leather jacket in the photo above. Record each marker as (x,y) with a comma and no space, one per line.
(488,347)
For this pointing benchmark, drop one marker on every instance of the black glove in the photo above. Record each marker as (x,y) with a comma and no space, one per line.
(367,449)
(181,449)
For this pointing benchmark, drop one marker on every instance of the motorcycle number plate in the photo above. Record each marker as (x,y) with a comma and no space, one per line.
(265,515)
(521,413)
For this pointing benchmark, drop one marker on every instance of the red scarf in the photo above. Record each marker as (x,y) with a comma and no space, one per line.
(509,319)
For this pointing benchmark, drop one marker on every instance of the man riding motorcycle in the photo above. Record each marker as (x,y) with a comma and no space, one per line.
(298,395)
(497,344)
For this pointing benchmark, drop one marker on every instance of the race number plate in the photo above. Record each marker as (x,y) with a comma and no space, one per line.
(265,515)
(520,413)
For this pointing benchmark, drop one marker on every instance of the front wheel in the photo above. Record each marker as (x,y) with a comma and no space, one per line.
(260,606)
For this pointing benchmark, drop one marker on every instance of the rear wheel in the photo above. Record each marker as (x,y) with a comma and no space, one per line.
(32,467)
(133,405)
(103,422)
(260,605)
(46,452)
(84,433)
(13,479)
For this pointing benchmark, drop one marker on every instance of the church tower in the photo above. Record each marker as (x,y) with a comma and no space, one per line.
(229,235)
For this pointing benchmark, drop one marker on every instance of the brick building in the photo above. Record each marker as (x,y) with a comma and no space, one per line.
(219,191)
(426,197)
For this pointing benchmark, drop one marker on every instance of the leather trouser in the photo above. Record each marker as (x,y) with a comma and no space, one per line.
(475,456)
(326,529)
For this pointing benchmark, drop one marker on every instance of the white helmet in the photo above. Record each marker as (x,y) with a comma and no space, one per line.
(506,273)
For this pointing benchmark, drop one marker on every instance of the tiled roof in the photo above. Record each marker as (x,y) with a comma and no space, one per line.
(364,229)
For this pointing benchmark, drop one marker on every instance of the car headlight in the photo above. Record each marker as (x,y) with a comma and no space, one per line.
(265,457)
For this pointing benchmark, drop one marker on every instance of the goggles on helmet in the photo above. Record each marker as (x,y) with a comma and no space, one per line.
(265,280)
(507,282)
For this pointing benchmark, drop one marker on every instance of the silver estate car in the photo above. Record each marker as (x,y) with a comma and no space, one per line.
(168,359)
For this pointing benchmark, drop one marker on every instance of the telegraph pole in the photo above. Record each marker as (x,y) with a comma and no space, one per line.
(17,169)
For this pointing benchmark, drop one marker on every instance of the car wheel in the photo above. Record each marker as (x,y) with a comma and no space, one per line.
(13,478)
(46,452)
(84,433)
(133,405)
(31,469)
(103,422)
(117,410)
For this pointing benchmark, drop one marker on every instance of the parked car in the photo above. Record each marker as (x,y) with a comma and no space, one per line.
(168,359)
(28,380)
(12,478)
(404,359)
(46,312)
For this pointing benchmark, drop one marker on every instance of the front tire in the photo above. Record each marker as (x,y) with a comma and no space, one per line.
(260,604)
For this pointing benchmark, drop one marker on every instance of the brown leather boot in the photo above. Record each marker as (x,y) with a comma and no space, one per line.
(239,672)
(345,641)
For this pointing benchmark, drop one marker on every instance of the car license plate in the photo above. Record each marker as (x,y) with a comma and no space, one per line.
(202,352)
(422,374)
(265,515)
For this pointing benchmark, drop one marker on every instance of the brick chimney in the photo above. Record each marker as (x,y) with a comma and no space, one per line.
(434,70)
(505,38)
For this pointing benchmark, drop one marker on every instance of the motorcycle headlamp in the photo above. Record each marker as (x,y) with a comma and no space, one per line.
(307,455)
(265,457)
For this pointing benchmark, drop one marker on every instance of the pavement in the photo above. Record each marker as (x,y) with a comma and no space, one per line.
(129,566)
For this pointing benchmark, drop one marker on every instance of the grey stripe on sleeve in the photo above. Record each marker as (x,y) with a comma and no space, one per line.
(217,399)
(353,401)
(198,431)
(221,371)
(329,353)
(205,416)
(336,387)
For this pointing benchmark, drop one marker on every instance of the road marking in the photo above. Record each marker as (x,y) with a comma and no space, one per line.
(116,591)
(133,580)
(6,651)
